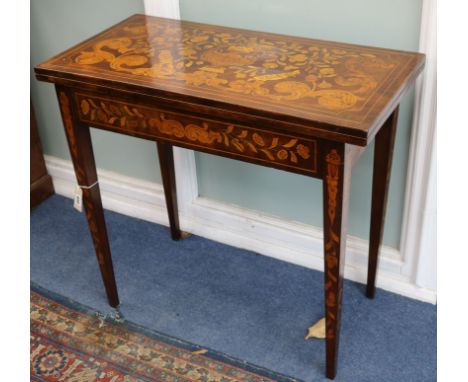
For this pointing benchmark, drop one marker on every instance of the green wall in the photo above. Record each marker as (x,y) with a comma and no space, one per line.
(55,26)
(390,24)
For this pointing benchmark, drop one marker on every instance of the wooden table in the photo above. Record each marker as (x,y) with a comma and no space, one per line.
(295,104)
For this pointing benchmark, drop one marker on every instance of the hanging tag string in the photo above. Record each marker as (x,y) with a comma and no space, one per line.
(88,187)
(78,202)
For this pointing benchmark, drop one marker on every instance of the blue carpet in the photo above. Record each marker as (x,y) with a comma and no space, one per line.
(251,307)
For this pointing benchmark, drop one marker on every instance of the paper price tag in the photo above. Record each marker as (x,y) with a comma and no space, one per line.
(78,200)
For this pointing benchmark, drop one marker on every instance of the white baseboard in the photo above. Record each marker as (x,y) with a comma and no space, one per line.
(284,240)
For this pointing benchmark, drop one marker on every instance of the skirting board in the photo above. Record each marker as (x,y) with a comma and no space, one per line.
(289,241)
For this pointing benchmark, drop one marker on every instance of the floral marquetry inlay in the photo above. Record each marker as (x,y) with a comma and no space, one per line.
(246,65)
(332,245)
(242,141)
(302,77)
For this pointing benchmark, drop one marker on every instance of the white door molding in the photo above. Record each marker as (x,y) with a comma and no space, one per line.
(184,160)
(162,8)
(416,232)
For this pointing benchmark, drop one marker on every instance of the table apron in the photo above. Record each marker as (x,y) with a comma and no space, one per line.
(237,141)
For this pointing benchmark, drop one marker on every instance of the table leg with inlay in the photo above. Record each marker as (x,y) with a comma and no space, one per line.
(337,164)
(81,150)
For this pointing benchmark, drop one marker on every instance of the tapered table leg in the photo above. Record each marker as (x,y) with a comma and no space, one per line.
(79,142)
(166,162)
(383,153)
(335,194)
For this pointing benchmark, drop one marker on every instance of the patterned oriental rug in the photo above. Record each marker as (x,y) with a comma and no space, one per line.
(70,343)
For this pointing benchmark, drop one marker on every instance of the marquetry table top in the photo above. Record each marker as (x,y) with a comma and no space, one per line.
(347,89)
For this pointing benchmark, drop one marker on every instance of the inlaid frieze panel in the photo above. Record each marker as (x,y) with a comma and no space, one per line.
(245,142)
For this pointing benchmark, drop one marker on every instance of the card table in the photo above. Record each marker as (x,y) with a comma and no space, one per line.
(295,104)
